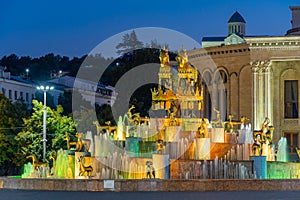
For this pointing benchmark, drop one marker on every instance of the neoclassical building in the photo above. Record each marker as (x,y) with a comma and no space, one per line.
(255,76)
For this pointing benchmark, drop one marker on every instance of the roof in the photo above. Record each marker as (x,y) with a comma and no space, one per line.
(213,39)
(236,17)
(21,80)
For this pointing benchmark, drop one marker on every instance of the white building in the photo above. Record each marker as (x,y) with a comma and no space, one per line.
(14,87)
(91,91)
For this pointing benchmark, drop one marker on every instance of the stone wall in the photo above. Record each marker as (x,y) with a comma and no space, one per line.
(150,185)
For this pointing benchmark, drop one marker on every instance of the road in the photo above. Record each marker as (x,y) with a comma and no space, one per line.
(56,195)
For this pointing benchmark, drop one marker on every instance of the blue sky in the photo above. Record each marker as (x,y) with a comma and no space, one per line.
(74,28)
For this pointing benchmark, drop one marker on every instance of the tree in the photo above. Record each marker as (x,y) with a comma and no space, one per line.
(10,123)
(129,42)
(84,120)
(155,45)
(29,139)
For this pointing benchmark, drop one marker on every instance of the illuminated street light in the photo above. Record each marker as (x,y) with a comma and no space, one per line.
(44,89)
(27,71)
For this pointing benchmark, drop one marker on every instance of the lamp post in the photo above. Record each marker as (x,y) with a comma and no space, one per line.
(44,140)
(27,71)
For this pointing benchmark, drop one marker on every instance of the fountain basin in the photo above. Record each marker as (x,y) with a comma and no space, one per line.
(96,185)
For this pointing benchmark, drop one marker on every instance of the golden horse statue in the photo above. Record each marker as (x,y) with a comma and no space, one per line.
(231,123)
(36,164)
(84,169)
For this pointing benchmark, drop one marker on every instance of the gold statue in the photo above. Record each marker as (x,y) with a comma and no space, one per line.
(134,119)
(52,157)
(231,123)
(202,129)
(35,163)
(164,57)
(182,59)
(263,136)
(257,145)
(84,169)
(69,144)
(218,122)
(160,147)
(107,127)
(98,127)
(173,121)
(82,143)
(298,152)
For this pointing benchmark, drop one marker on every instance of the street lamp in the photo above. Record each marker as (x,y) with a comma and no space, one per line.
(44,140)
(27,71)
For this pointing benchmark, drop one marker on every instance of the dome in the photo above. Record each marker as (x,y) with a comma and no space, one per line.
(236,17)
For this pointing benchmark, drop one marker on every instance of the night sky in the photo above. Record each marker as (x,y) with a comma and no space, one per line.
(74,28)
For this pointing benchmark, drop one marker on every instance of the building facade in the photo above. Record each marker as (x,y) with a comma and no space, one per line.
(92,92)
(16,88)
(256,78)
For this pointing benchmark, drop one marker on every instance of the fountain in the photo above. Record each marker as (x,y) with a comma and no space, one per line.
(282,154)
(181,145)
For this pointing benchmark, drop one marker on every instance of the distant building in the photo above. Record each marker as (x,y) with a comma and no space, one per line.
(236,32)
(91,91)
(15,88)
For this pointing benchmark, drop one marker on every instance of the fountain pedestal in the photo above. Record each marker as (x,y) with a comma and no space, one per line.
(172,133)
(260,166)
(217,135)
(202,149)
(132,146)
(161,164)
(87,161)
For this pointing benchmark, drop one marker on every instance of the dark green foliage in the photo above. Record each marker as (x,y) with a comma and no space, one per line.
(29,139)
(10,124)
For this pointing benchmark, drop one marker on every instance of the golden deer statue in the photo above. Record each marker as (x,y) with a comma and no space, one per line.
(107,127)
(53,163)
(69,144)
(84,169)
(82,142)
(36,164)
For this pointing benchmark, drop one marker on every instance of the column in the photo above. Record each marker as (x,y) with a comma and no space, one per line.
(268,97)
(255,71)
(222,102)
(214,100)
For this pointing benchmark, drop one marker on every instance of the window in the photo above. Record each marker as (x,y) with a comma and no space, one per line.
(16,94)
(27,97)
(9,94)
(3,91)
(292,141)
(291,99)
(21,95)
